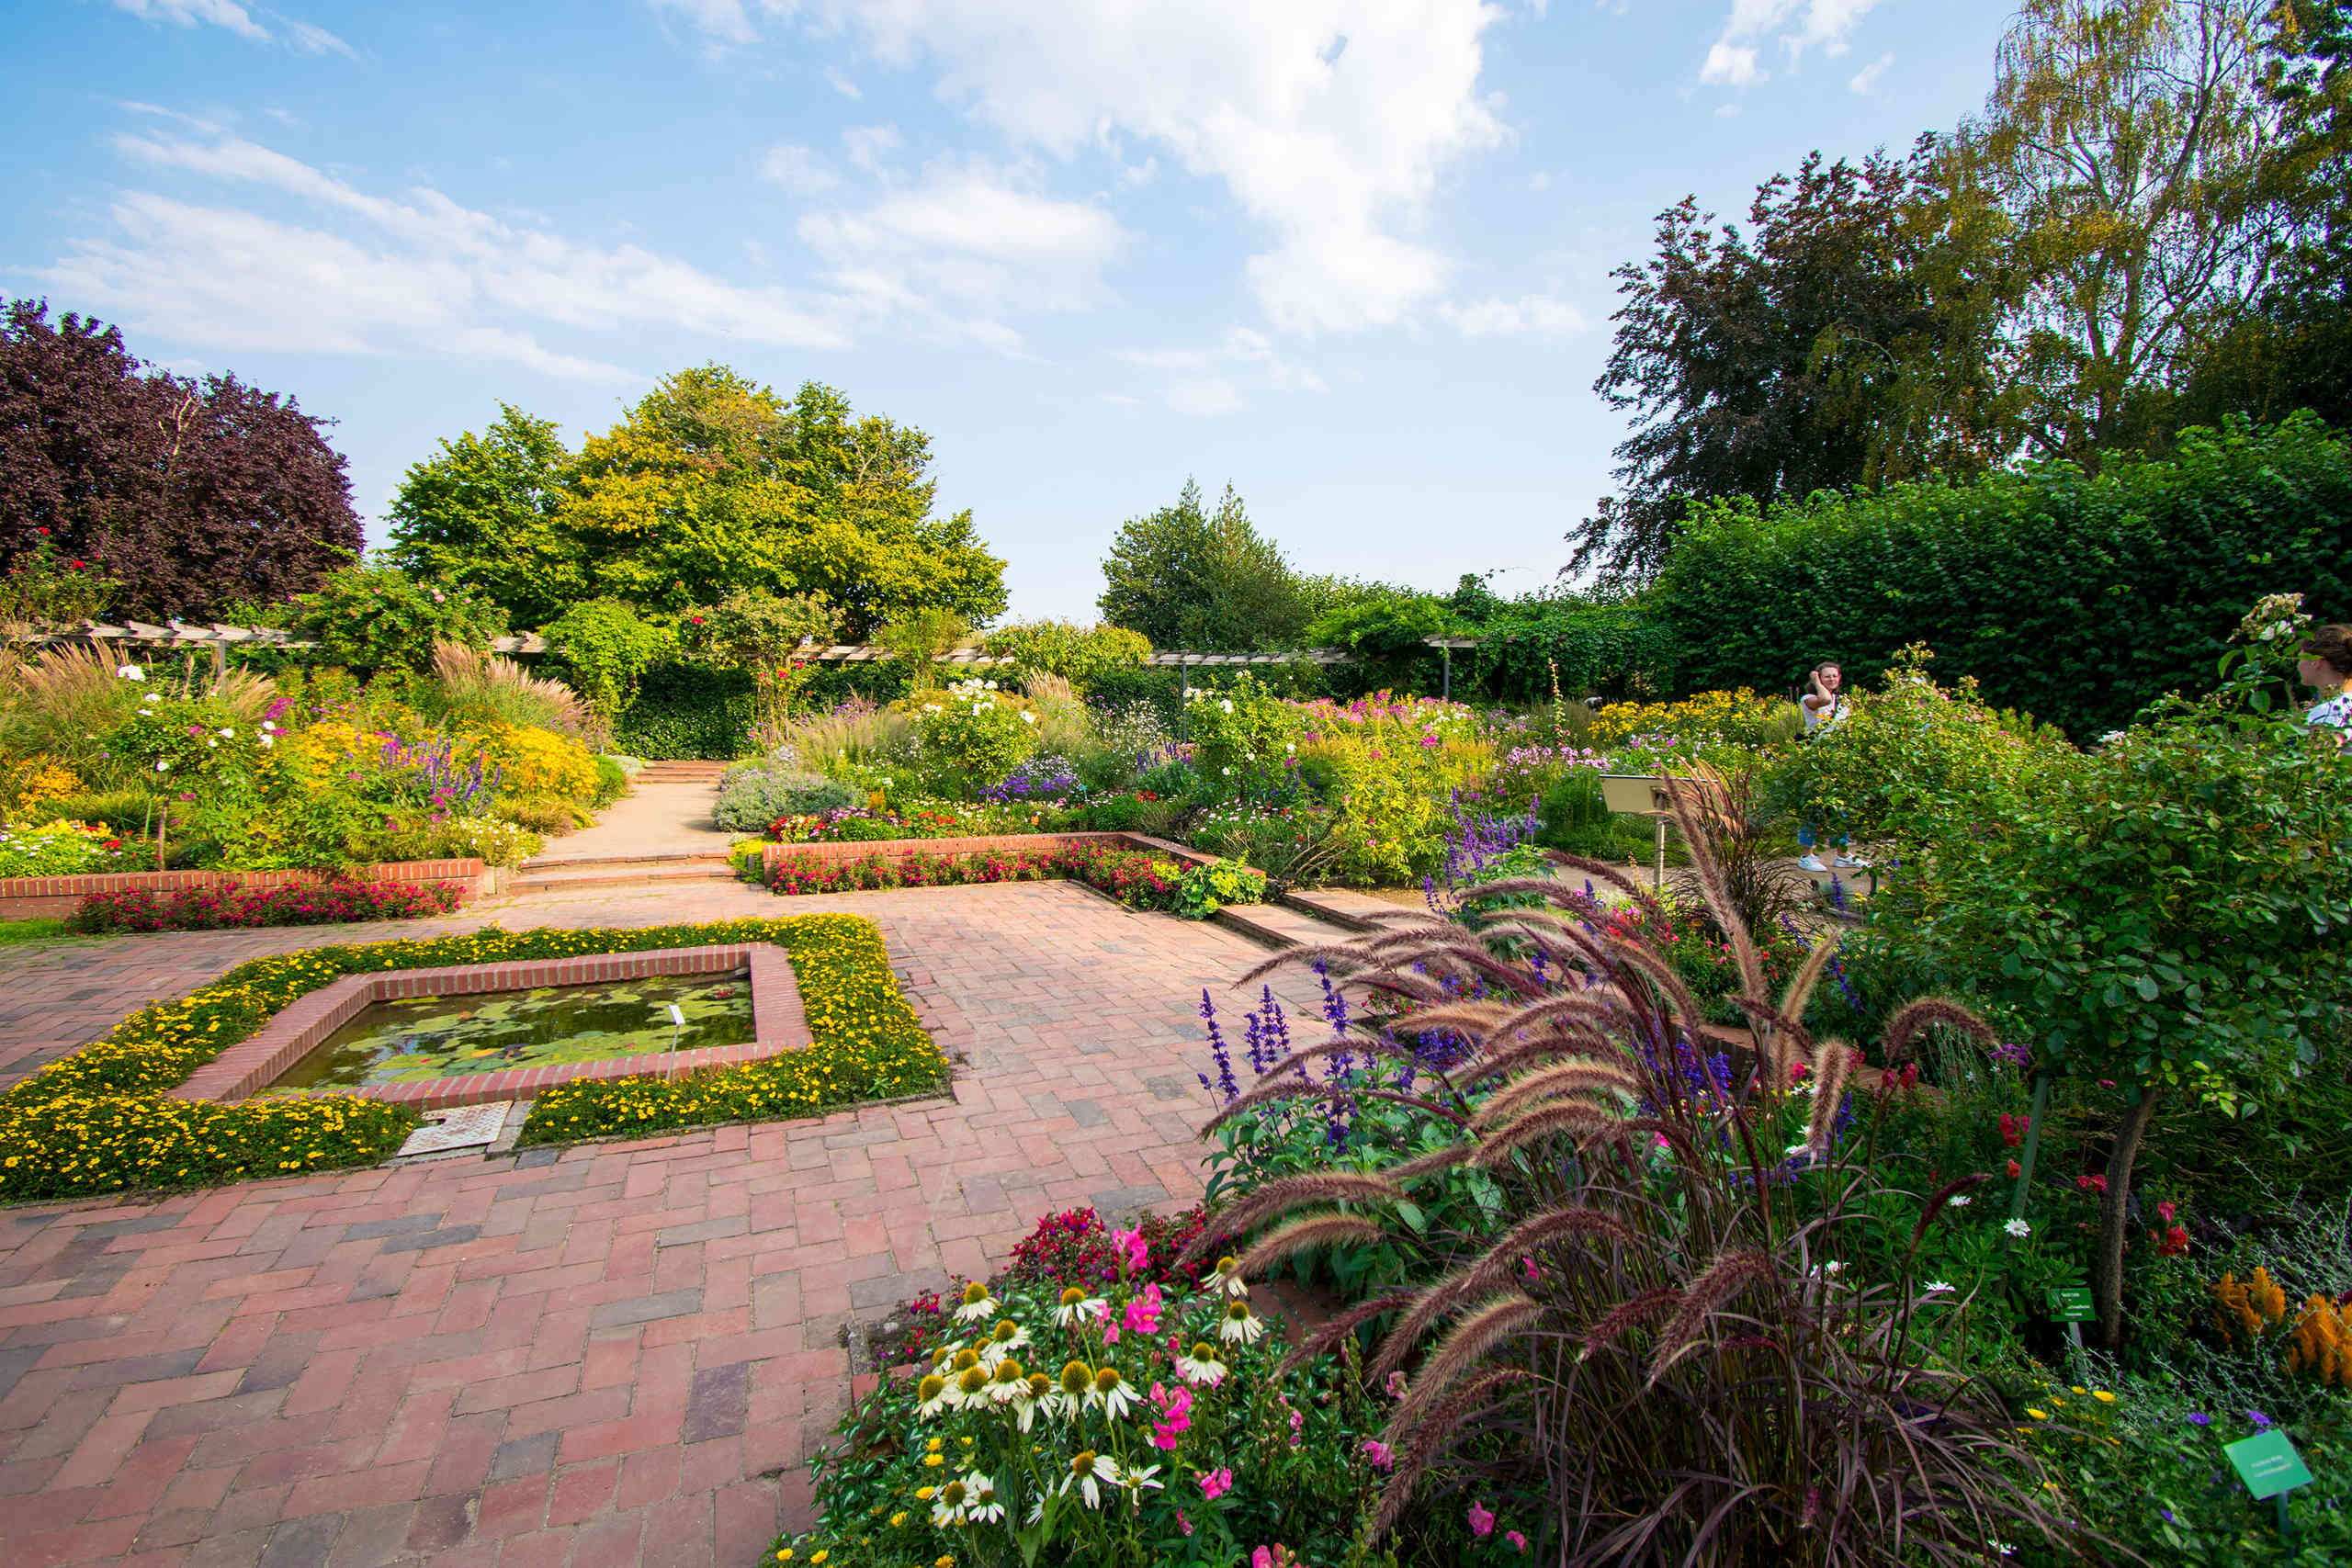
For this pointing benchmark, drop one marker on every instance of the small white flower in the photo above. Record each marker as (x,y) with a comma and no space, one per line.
(1939,1287)
(1239,1325)
(162,767)
(227,735)
(1027,718)
(269,740)
(1959,1201)
(1200,1366)
(1077,1306)
(1088,1472)
(1225,1279)
(131,672)
(2019,1228)
(978,1303)
(980,1503)
(1226,702)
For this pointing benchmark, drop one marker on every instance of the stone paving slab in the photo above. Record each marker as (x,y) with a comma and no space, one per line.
(615,1353)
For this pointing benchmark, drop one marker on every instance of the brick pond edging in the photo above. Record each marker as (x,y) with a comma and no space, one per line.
(46,898)
(779,1023)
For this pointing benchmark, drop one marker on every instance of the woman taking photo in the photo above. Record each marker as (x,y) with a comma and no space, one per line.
(2326,666)
(1825,705)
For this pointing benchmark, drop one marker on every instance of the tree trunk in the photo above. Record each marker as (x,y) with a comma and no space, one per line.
(2107,1276)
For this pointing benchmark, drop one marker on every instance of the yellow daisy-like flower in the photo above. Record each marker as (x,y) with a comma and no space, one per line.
(897,1518)
(2104,1397)
(784,1556)
(2036,1414)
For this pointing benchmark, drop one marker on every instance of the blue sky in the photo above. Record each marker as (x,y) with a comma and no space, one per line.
(1351,254)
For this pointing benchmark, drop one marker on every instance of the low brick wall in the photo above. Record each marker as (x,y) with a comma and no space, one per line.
(47,897)
(1013,843)
(779,1023)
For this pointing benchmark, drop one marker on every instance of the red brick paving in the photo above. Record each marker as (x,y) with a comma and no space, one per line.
(613,1353)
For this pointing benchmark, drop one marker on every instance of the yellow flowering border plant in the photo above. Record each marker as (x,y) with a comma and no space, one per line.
(102,1119)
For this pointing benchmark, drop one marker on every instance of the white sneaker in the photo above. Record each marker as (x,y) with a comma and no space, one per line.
(1849,862)
(1810,862)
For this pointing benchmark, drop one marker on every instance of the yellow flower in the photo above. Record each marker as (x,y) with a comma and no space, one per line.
(2036,1414)
(2104,1397)
(897,1518)
(784,1556)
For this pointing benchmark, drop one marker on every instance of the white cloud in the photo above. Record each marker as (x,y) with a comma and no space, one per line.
(299,35)
(1540,180)
(870,146)
(360,273)
(840,84)
(723,21)
(188,13)
(1217,380)
(1537,314)
(1733,59)
(1336,151)
(969,236)
(797,170)
(1865,81)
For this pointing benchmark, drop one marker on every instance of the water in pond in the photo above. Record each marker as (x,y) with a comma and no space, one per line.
(440,1037)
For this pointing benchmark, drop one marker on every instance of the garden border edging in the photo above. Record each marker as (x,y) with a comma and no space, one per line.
(47,898)
(853,849)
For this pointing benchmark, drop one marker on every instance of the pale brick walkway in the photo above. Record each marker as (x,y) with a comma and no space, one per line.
(613,1353)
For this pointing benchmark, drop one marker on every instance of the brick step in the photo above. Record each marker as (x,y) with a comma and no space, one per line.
(1341,906)
(1279,926)
(652,859)
(623,877)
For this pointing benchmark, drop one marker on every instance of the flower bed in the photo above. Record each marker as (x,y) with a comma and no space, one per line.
(1135,878)
(102,1120)
(37,897)
(212,909)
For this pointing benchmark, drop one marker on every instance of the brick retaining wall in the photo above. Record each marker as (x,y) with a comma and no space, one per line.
(47,897)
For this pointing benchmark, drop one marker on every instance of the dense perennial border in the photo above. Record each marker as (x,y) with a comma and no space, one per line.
(1137,878)
(101,1119)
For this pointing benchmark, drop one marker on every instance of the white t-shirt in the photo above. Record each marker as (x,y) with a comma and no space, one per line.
(1822,718)
(2335,713)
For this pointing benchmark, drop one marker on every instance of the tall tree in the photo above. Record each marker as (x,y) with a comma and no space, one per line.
(710,484)
(192,495)
(1185,577)
(2133,147)
(1843,338)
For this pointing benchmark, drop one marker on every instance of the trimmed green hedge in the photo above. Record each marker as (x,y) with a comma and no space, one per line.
(2077,599)
(100,1121)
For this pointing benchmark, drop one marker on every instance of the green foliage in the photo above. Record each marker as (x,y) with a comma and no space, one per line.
(917,637)
(1245,738)
(1209,889)
(44,587)
(1081,655)
(974,734)
(2077,599)
(751,796)
(378,617)
(607,646)
(687,710)
(1185,577)
(710,484)
(1912,760)
(1611,646)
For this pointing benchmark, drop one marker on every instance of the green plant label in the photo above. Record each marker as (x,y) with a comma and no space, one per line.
(2071,1305)
(2267,1463)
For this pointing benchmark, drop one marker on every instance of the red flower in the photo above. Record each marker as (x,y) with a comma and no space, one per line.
(2012,1130)
(2014,1169)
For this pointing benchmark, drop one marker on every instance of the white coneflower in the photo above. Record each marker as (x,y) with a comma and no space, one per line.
(1939,1287)
(1076,1307)
(947,1505)
(1002,1341)
(1090,1472)
(1138,1482)
(981,1505)
(2019,1228)
(1226,1279)
(1034,1393)
(1010,1379)
(970,1384)
(1076,1388)
(1241,1326)
(978,1303)
(131,672)
(931,1397)
(1199,1366)
(1111,1392)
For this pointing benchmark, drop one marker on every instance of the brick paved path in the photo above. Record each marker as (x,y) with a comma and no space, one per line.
(613,1353)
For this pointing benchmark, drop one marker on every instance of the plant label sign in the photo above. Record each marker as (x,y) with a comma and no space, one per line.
(2267,1463)
(2072,1304)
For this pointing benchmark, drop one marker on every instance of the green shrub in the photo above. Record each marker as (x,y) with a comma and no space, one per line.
(605,647)
(751,796)
(612,782)
(1209,889)
(1244,738)
(974,733)
(1081,655)
(2077,599)
(1614,646)
(685,711)
(378,617)
(124,810)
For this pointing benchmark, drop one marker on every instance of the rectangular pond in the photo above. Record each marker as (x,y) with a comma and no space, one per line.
(413,1039)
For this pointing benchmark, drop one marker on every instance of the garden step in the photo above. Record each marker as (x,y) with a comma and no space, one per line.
(1278,926)
(623,876)
(1354,911)
(538,863)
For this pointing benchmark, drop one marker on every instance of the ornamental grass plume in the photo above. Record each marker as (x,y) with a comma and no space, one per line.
(1645,1327)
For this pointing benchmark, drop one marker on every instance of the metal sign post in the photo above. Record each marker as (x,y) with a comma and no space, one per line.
(1634,795)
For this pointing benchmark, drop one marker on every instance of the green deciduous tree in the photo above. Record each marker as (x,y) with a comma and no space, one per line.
(710,484)
(606,647)
(1185,577)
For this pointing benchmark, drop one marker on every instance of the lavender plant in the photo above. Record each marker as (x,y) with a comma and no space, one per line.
(1692,1323)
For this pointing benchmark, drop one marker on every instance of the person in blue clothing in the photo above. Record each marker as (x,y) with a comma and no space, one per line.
(2326,666)
(1825,705)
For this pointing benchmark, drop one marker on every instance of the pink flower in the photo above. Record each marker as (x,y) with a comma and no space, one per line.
(2165,1213)
(1379,1454)
(1517,1541)
(1482,1523)
(1176,1414)
(1183,1523)
(1216,1483)
(1396,1385)
(1262,1557)
(1133,1247)
(1143,1312)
